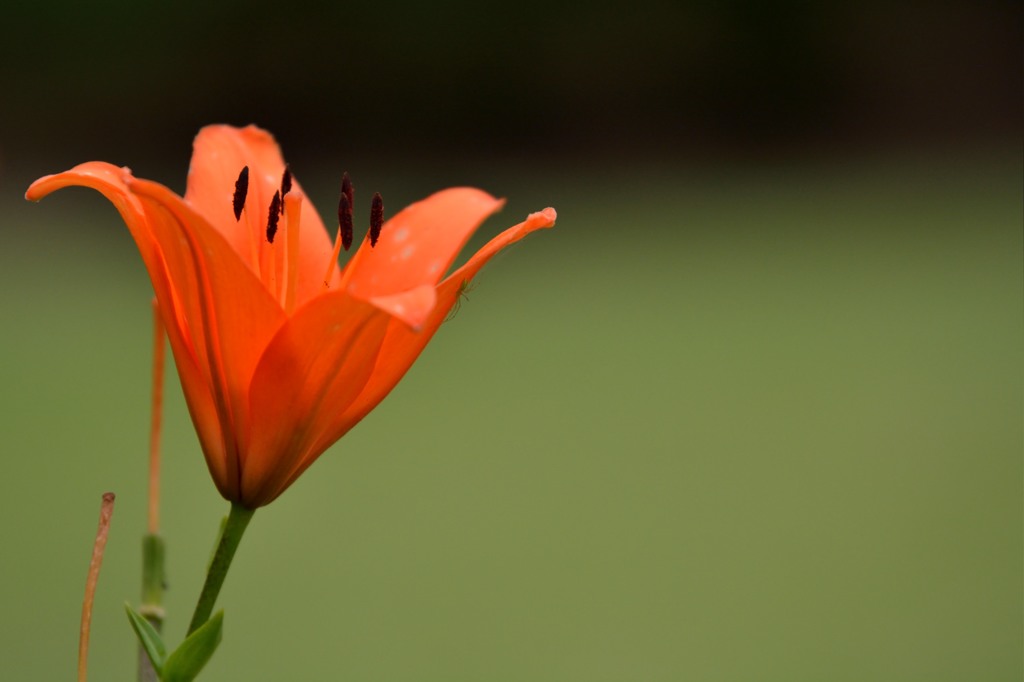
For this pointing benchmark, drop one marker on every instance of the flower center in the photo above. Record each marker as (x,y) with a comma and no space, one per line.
(277,264)
(345,232)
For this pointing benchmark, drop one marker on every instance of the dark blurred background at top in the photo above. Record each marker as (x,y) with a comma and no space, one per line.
(123,81)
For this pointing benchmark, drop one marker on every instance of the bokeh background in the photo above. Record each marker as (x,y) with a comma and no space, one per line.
(752,411)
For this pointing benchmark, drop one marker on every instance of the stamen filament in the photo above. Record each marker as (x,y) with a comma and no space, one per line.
(268,254)
(334,259)
(239,209)
(255,248)
(292,214)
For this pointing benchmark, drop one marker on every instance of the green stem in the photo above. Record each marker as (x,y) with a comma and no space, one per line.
(234,527)
(152,606)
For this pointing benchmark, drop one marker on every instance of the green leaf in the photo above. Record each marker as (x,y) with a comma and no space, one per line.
(149,638)
(188,660)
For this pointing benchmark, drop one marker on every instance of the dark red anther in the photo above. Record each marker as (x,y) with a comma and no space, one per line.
(241,190)
(273,216)
(345,217)
(286,184)
(376,218)
(348,190)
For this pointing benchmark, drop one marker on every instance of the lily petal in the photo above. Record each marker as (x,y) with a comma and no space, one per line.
(418,244)
(219,154)
(319,360)
(411,307)
(225,300)
(169,287)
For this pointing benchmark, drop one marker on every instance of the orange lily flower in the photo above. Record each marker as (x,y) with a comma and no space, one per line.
(279,350)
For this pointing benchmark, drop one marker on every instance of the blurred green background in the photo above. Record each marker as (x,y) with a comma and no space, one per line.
(751,411)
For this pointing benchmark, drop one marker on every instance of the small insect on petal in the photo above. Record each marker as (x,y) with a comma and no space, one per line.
(376,218)
(273,216)
(461,295)
(241,190)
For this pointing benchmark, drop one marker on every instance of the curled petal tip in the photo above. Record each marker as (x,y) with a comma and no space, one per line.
(33,193)
(548,215)
(83,174)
